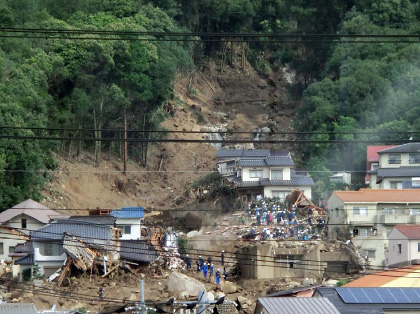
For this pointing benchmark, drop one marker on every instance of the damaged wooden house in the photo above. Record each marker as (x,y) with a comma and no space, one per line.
(87,243)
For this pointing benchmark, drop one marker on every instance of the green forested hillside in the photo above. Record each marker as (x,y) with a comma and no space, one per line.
(92,84)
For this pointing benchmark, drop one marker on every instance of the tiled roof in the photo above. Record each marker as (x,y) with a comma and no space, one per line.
(96,219)
(18,308)
(249,153)
(399,172)
(137,251)
(405,148)
(252,163)
(294,181)
(379,196)
(128,212)
(279,161)
(379,279)
(372,152)
(26,260)
(87,232)
(227,153)
(298,305)
(24,247)
(412,232)
(32,209)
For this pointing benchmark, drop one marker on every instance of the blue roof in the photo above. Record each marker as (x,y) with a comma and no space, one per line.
(379,295)
(128,212)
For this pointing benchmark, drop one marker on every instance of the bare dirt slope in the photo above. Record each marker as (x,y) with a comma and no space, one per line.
(206,99)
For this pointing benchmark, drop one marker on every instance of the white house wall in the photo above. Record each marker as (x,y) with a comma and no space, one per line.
(47,261)
(384,161)
(135,228)
(31,223)
(395,237)
(246,171)
(268,190)
(9,241)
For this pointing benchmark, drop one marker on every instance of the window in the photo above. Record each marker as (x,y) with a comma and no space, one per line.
(125,229)
(394,159)
(414,211)
(292,261)
(418,247)
(11,249)
(276,174)
(374,166)
(52,249)
(1,248)
(395,185)
(360,211)
(255,173)
(279,194)
(363,233)
(414,158)
(399,248)
(388,211)
(23,223)
(370,254)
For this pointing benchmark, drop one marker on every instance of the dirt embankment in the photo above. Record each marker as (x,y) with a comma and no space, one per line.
(207,99)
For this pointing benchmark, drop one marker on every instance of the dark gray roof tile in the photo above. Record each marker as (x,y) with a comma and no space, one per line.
(405,148)
(96,219)
(87,232)
(399,172)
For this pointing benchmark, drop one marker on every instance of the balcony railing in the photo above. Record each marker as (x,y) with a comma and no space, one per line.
(394,161)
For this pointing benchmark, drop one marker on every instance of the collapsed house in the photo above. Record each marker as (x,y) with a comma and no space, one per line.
(297,259)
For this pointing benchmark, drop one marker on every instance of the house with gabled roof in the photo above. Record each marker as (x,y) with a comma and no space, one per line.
(398,168)
(367,216)
(404,246)
(262,172)
(28,215)
(19,220)
(372,158)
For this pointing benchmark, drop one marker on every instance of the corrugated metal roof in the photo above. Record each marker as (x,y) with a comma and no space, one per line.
(399,172)
(128,212)
(298,305)
(379,195)
(87,232)
(18,308)
(96,219)
(405,148)
(32,209)
(138,251)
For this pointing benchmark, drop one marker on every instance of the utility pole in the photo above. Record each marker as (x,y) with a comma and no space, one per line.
(125,143)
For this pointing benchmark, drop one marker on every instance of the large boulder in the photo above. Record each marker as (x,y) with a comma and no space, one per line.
(179,283)
(228,287)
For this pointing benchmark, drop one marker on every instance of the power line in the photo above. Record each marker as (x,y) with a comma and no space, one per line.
(230,141)
(201,34)
(119,130)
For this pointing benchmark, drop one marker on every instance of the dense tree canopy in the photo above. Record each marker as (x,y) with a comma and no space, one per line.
(346,87)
